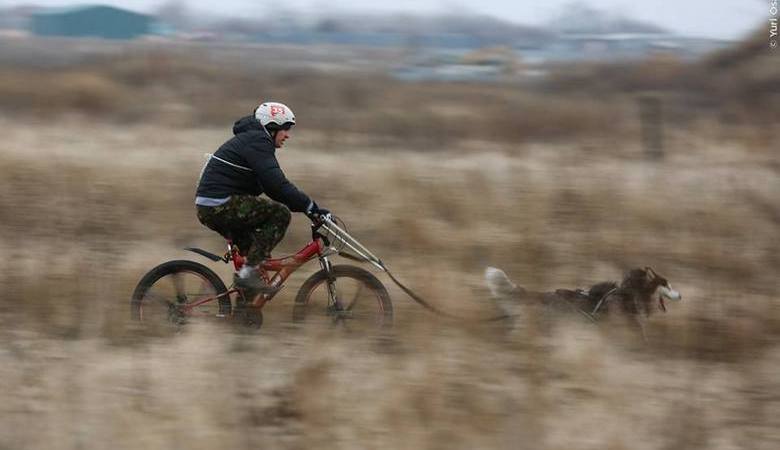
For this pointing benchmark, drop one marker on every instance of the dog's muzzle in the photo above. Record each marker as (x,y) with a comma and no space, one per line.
(669,294)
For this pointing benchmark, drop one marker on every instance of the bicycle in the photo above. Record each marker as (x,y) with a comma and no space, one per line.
(163,298)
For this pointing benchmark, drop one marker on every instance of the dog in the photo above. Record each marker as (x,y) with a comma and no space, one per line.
(637,295)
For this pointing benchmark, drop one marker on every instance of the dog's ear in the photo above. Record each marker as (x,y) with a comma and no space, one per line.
(498,283)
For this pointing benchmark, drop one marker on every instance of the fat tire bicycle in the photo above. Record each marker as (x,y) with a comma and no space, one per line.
(173,292)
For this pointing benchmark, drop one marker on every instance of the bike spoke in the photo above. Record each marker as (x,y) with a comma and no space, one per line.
(157,299)
(178,286)
(205,289)
(356,297)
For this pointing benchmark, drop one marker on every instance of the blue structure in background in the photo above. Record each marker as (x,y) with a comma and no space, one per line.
(98,21)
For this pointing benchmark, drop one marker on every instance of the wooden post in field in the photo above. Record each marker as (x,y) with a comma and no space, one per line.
(651,119)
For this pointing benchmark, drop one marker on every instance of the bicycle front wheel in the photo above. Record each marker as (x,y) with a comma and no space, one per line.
(164,297)
(349,295)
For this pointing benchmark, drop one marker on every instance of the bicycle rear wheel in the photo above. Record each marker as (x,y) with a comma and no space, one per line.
(160,298)
(351,296)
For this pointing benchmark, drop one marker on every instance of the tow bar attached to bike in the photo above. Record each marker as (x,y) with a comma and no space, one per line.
(335,232)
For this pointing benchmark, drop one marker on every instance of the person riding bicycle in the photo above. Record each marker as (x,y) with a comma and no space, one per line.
(236,174)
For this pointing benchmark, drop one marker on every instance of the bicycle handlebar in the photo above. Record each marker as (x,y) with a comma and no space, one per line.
(351,243)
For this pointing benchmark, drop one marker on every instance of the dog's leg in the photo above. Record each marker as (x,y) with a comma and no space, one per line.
(642,329)
(639,322)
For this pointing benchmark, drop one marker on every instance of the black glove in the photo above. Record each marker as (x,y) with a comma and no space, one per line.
(315,213)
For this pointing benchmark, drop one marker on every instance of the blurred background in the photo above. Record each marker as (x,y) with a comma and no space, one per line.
(565,143)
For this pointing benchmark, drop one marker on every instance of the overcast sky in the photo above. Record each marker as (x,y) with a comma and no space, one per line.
(728,19)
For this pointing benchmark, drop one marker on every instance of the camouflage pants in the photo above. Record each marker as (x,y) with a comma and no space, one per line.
(254,224)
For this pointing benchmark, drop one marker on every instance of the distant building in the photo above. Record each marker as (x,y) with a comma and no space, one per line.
(16,18)
(91,21)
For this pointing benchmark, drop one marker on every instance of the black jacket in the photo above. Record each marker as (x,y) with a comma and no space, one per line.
(251,148)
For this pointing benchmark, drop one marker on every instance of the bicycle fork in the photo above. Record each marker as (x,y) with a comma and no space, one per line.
(334,302)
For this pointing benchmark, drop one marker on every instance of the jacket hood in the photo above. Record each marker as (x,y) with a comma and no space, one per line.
(247,123)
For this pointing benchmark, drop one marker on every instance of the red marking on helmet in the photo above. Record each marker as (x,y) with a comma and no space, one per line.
(277,110)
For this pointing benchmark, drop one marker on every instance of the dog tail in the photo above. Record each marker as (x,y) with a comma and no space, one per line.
(498,283)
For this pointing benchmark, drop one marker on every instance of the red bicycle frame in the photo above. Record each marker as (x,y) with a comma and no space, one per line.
(274,271)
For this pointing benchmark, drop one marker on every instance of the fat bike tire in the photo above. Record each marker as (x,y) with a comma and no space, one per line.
(355,287)
(148,305)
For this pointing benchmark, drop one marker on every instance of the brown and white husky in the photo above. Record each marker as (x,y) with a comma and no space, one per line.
(638,294)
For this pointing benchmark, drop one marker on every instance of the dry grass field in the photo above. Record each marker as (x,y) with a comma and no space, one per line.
(89,203)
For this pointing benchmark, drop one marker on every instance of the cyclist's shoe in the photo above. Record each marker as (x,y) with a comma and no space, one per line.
(253,284)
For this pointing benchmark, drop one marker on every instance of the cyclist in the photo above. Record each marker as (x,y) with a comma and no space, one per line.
(228,192)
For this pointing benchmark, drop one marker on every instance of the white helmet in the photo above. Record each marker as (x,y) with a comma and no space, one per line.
(275,116)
